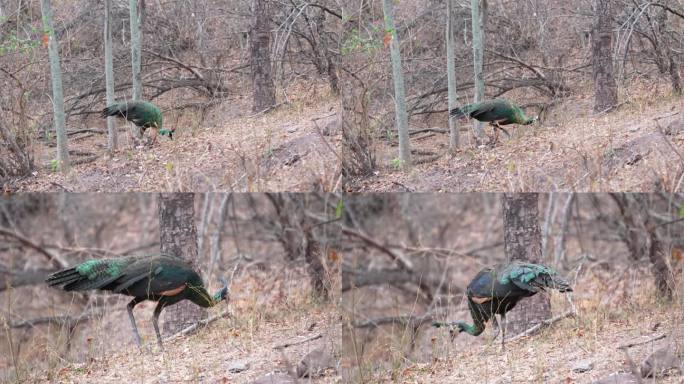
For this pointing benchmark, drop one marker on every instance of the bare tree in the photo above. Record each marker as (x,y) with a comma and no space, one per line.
(451,75)
(136,47)
(399,91)
(478,57)
(57,93)
(178,237)
(260,49)
(605,87)
(522,241)
(109,76)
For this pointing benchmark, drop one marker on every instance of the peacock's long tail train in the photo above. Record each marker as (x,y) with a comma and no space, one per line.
(460,112)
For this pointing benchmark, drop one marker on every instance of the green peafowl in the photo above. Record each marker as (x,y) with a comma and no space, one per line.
(497,112)
(141,113)
(164,279)
(497,290)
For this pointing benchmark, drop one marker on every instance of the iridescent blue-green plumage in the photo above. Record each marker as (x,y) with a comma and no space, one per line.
(164,279)
(141,113)
(497,290)
(497,112)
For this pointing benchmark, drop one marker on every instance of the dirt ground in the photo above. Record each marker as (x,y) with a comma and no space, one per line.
(291,148)
(631,148)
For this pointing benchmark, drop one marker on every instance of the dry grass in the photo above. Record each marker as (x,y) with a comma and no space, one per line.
(574,150)
(104,351)
(227,149)
(612,310)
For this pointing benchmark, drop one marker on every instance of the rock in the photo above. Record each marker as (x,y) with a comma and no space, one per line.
(238,366)
(291,128)
(582,366)
(618,378)
(661,361)
(315,363)
(274,378)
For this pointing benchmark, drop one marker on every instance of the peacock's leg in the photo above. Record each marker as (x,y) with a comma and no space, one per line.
(504,323)
(155,322)
(497,327)
(130,307)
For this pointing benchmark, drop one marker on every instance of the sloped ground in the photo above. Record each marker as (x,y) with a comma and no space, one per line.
(611,311)
(229,150)
(629,149)
(266,309)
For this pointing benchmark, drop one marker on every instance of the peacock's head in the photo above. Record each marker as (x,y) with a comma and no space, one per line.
(167,132)
(532,120)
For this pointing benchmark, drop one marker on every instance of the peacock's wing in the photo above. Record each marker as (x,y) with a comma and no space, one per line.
(154,276)
(533,277)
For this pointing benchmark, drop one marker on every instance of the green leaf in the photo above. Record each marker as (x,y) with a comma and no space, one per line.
(339,209)
(54,165)
(681,212)
(169,167)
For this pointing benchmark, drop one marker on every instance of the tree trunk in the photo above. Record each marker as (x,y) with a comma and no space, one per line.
(451,76)
(605,87)
(260,51)
(478,59)
(136,46)
(398,77)
(57,93)
(312,255)
(522,241)
(109,76)
(178,237)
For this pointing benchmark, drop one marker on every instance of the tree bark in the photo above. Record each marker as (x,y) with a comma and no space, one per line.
(57,92)
(178,237)
(136,47)
(605,87)
(109,76)
(260,51)
(478,59)
(312,255)
(451,76)
(522,241)
(399,91)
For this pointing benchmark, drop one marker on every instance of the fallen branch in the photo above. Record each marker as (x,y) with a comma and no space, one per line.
(293,343)
(200,323)
(413,321)
(544,323)
(635,343)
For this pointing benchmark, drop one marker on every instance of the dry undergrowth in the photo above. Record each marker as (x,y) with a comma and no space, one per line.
(228,148)
(256,323)
(623,150)
(612,310)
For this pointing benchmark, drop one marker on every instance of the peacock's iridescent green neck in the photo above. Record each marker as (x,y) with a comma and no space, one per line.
(471,329)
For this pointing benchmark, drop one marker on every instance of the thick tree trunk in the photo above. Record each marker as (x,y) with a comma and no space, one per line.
(605,87)
(57,93)
(451,76)
(178,237)
(478,59)
(399,91)
(109,76)
(522,241)
(260,51)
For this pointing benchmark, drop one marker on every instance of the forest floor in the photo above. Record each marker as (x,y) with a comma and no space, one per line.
(610,313)
(630,148)
(240,347)
(228,148)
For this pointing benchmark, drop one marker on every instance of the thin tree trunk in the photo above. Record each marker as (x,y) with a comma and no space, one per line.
(605,87)
(109,77)
(451,76)
(260,51)
(478,59)
(549,219)
(178,237)
(57,93)
(559,254)
(136,46)
(312,255)
(399,92)
(522,241)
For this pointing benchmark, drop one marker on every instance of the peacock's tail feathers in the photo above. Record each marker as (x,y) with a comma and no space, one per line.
(463,111)
(92,274)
